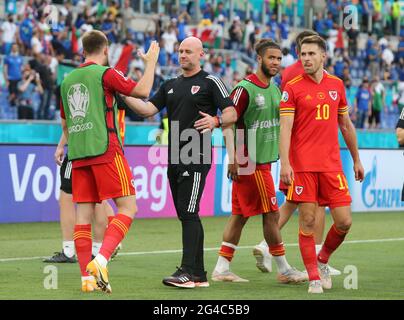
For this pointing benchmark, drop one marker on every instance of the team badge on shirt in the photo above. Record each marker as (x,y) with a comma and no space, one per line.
(195,89)
(333,95)
(285,96)
(273,200)
(299,190)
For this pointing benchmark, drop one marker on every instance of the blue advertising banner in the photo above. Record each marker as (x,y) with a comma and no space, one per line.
(30,182)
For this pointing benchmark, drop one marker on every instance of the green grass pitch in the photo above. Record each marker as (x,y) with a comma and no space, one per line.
(152,250)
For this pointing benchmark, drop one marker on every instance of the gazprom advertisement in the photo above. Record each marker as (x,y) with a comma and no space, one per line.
(30,182)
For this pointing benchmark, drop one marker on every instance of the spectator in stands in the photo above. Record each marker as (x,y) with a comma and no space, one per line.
(8,37)
(183,20)
(174,58)
(39,64)
(396,16)
(162,60)
(148,38)
(67,11)
(170,39)
(26,29)
(109,27)
(113,9)
(284,28)
(346,77)
(319,25)
(235,34)
(353,34)
(269,33)
(128,14)
(329,23)
(287,58)
(374,60)
(207,12)
(29,84)
(400,52)
(362,105)
(387,57)
(248,30)
(254,36)
(333,9)
(339,66)
(220,10)
(367,12)
(36,43)
(273,22)
(377,17)
(12,70)
(209,62)
(378,103)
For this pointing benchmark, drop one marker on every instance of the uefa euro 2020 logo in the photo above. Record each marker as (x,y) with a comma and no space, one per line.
(78,99)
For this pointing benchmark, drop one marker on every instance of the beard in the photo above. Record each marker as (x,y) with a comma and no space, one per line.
(265,70)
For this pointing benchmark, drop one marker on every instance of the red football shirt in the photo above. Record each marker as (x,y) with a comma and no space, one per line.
(291,72)
(314,142)
(113,81)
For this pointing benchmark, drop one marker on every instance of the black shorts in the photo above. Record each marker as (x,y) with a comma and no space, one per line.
(66,176)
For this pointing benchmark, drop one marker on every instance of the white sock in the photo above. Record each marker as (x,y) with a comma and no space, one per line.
(281,263)
(263,244)
(96,248)
(222,264)
(68,248)
(101,260)
(318,248)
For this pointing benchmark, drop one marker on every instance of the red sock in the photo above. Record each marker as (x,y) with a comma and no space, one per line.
(114,234)
(277,250)
(227,251)
(83,243)
(333,240)
(110,218)
(308,252)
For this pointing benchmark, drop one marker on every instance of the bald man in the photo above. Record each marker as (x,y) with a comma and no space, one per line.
(192,101)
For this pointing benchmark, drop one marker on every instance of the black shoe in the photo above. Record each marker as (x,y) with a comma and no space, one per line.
(180,279)
(201,281)
(60,257)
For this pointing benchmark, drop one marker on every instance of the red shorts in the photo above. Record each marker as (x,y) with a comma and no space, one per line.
(326,188)
(98,182)
(283,187)
(254,194)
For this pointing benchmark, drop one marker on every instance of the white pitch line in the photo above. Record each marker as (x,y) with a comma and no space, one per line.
(207,249)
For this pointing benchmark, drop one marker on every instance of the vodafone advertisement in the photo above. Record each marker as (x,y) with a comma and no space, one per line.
(30,183)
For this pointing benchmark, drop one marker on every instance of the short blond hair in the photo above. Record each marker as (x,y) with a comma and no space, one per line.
(315,40)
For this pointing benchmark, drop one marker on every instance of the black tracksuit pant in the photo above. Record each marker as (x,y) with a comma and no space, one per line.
(187,183)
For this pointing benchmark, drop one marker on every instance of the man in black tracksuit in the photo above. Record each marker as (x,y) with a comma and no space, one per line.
(192,101)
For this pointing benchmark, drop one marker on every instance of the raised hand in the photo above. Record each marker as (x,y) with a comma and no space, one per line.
(152,54)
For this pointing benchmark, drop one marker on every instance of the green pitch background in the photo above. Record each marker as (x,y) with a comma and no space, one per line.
(138,271)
